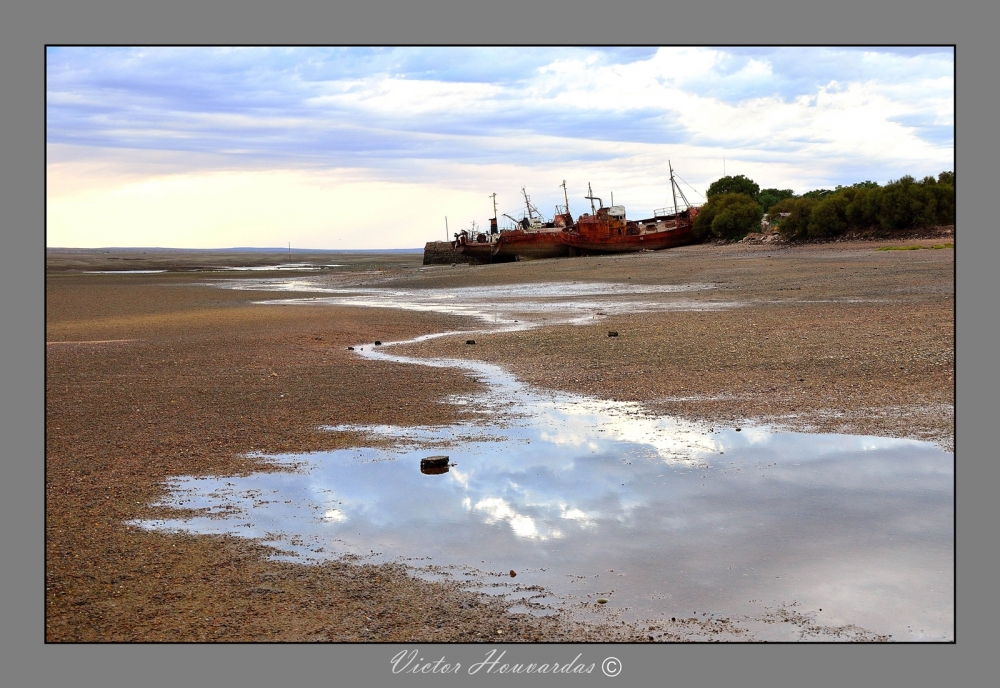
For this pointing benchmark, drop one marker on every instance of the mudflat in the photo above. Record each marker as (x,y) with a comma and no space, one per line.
(154,375)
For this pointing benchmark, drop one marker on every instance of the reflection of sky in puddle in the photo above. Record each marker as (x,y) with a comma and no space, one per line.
(599,498)
(560,301)
(283,266)
(123,272)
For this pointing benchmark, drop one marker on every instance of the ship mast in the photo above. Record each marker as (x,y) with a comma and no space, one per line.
(673,186)
(494,227)
(566,198)
(591,198)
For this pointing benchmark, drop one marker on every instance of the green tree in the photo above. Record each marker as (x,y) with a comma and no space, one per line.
(769,197)
(728,216)
(947,178)
(738,184)
(817,193)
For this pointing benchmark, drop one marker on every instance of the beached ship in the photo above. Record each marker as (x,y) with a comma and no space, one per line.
(607,230)
(482,247)
(604,230)
(534,238)
(531,238)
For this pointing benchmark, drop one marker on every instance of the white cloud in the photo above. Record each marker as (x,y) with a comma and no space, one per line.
(497,509)
(337,161)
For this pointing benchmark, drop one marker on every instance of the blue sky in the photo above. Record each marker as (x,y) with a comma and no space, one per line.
(330,147)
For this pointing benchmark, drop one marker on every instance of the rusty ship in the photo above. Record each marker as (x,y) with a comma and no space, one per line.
(531,238)
(602,231)
(607,230)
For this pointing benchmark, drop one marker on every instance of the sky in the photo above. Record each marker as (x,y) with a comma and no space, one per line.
(373,148)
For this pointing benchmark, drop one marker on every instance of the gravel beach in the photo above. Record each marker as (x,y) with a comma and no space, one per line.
(155,375)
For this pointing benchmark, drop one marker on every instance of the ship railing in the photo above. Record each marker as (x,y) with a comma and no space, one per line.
(667,213)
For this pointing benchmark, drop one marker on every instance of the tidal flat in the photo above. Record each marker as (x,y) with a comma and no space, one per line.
(828,512)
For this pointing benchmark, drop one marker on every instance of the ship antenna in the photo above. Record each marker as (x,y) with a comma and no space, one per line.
(673,186)
(494,197)
(566,198)
(590,195)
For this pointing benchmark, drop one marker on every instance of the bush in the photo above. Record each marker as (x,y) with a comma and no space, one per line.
(944,200)
(862,207)
(828,217)
(796,225)
(906,203)
(902,204)
(729,216)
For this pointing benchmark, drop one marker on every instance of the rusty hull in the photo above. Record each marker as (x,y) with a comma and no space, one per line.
(603,233)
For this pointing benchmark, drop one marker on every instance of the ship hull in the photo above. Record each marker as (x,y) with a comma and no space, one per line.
(526,245)
(582,245)
(484,252)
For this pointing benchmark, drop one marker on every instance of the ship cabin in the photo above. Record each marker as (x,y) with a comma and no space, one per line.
(607,222)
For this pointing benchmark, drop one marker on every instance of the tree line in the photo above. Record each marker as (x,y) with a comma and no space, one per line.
(736,205)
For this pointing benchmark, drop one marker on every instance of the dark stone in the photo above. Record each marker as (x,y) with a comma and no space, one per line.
(612,333)
(378,343)
(434,462)
(470,341)
(350,348)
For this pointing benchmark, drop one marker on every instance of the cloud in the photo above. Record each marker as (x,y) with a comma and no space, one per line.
(457,121)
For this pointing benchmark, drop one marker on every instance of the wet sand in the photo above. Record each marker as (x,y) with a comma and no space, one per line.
(838,337)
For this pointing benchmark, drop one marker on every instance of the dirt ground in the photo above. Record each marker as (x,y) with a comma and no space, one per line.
(828,338)
(154,375)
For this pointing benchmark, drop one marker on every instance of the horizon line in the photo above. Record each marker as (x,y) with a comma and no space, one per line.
(282,249)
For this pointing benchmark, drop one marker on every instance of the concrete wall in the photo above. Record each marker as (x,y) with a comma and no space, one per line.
(442,253)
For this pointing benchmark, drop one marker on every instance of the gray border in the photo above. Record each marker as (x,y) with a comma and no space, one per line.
(27,26)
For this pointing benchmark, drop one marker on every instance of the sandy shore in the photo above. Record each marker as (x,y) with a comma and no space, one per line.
(154,375)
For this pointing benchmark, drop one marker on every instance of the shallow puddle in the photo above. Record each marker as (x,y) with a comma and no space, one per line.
(282,266)
(593,499)
(524,305)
